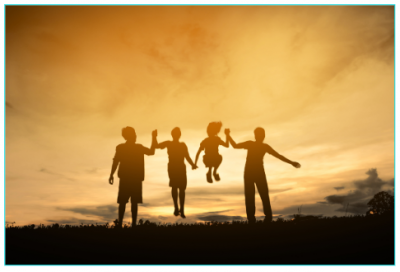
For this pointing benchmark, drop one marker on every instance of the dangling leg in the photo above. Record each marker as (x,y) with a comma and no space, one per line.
(209,178)
(182,202)
(174,192)
(217,164)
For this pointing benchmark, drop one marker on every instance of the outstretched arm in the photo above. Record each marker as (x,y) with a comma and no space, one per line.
(198,154)
(283,158)
(187,157)
(232,142)
(162,145)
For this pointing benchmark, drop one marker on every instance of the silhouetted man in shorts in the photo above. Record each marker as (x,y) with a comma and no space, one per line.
(130,158)
(254,173)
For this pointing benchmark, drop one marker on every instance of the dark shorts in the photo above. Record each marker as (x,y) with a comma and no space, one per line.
(177,175)
(212,160)
(129,189)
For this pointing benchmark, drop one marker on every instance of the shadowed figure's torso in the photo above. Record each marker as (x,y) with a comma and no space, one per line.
(131,158)
(176,165)
(255,156)
(211,144)
(176,152)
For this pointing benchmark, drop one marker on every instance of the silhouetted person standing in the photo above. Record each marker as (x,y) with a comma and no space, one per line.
(254,173)
(212,159)
(130,158)
(177,153)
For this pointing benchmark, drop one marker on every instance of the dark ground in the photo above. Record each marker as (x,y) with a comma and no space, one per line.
(344,240)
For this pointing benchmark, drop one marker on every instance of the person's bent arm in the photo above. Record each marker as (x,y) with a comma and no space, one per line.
(187,157)
(154,143)
(113,169)
(198,154)
(283,158)
(226,143)
(162,145)
(235,145)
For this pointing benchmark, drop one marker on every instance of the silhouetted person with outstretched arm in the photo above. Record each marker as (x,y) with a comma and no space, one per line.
(130,158)
(212,159)
(254,173)
(177,153)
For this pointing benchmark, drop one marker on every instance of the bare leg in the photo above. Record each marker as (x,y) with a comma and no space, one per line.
(134,209)
(182,202)
(121,212)
(215,174)
(174,193)
(209,178)
(215,169)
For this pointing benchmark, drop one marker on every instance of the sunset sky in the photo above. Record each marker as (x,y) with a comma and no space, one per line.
(318,79)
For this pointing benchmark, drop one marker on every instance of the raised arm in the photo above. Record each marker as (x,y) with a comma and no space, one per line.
(226,143)
(282,158)
(232,142)
(154,143)
(187,157)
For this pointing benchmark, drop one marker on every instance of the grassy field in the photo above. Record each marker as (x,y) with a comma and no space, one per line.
(337,240)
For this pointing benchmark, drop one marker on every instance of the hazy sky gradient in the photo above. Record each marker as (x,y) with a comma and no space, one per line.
(320,80)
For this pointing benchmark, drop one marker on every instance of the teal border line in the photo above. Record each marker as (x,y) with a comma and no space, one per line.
(214,5)
(4,156)
(394,142)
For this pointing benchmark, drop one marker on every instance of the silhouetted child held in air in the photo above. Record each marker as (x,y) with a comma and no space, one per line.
(212,159)
(177,153)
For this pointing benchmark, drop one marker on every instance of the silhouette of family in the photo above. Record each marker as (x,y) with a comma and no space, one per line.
(129,156)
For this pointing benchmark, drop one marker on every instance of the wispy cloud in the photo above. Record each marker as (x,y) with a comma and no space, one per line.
(75,221)
(105,212)
(44,170)
(220,218)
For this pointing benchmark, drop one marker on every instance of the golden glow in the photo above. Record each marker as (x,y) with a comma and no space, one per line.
(319,80)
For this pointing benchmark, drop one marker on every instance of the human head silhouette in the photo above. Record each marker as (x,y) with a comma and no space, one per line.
(129,134)
(259,134)
(214,128)
(176,133)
